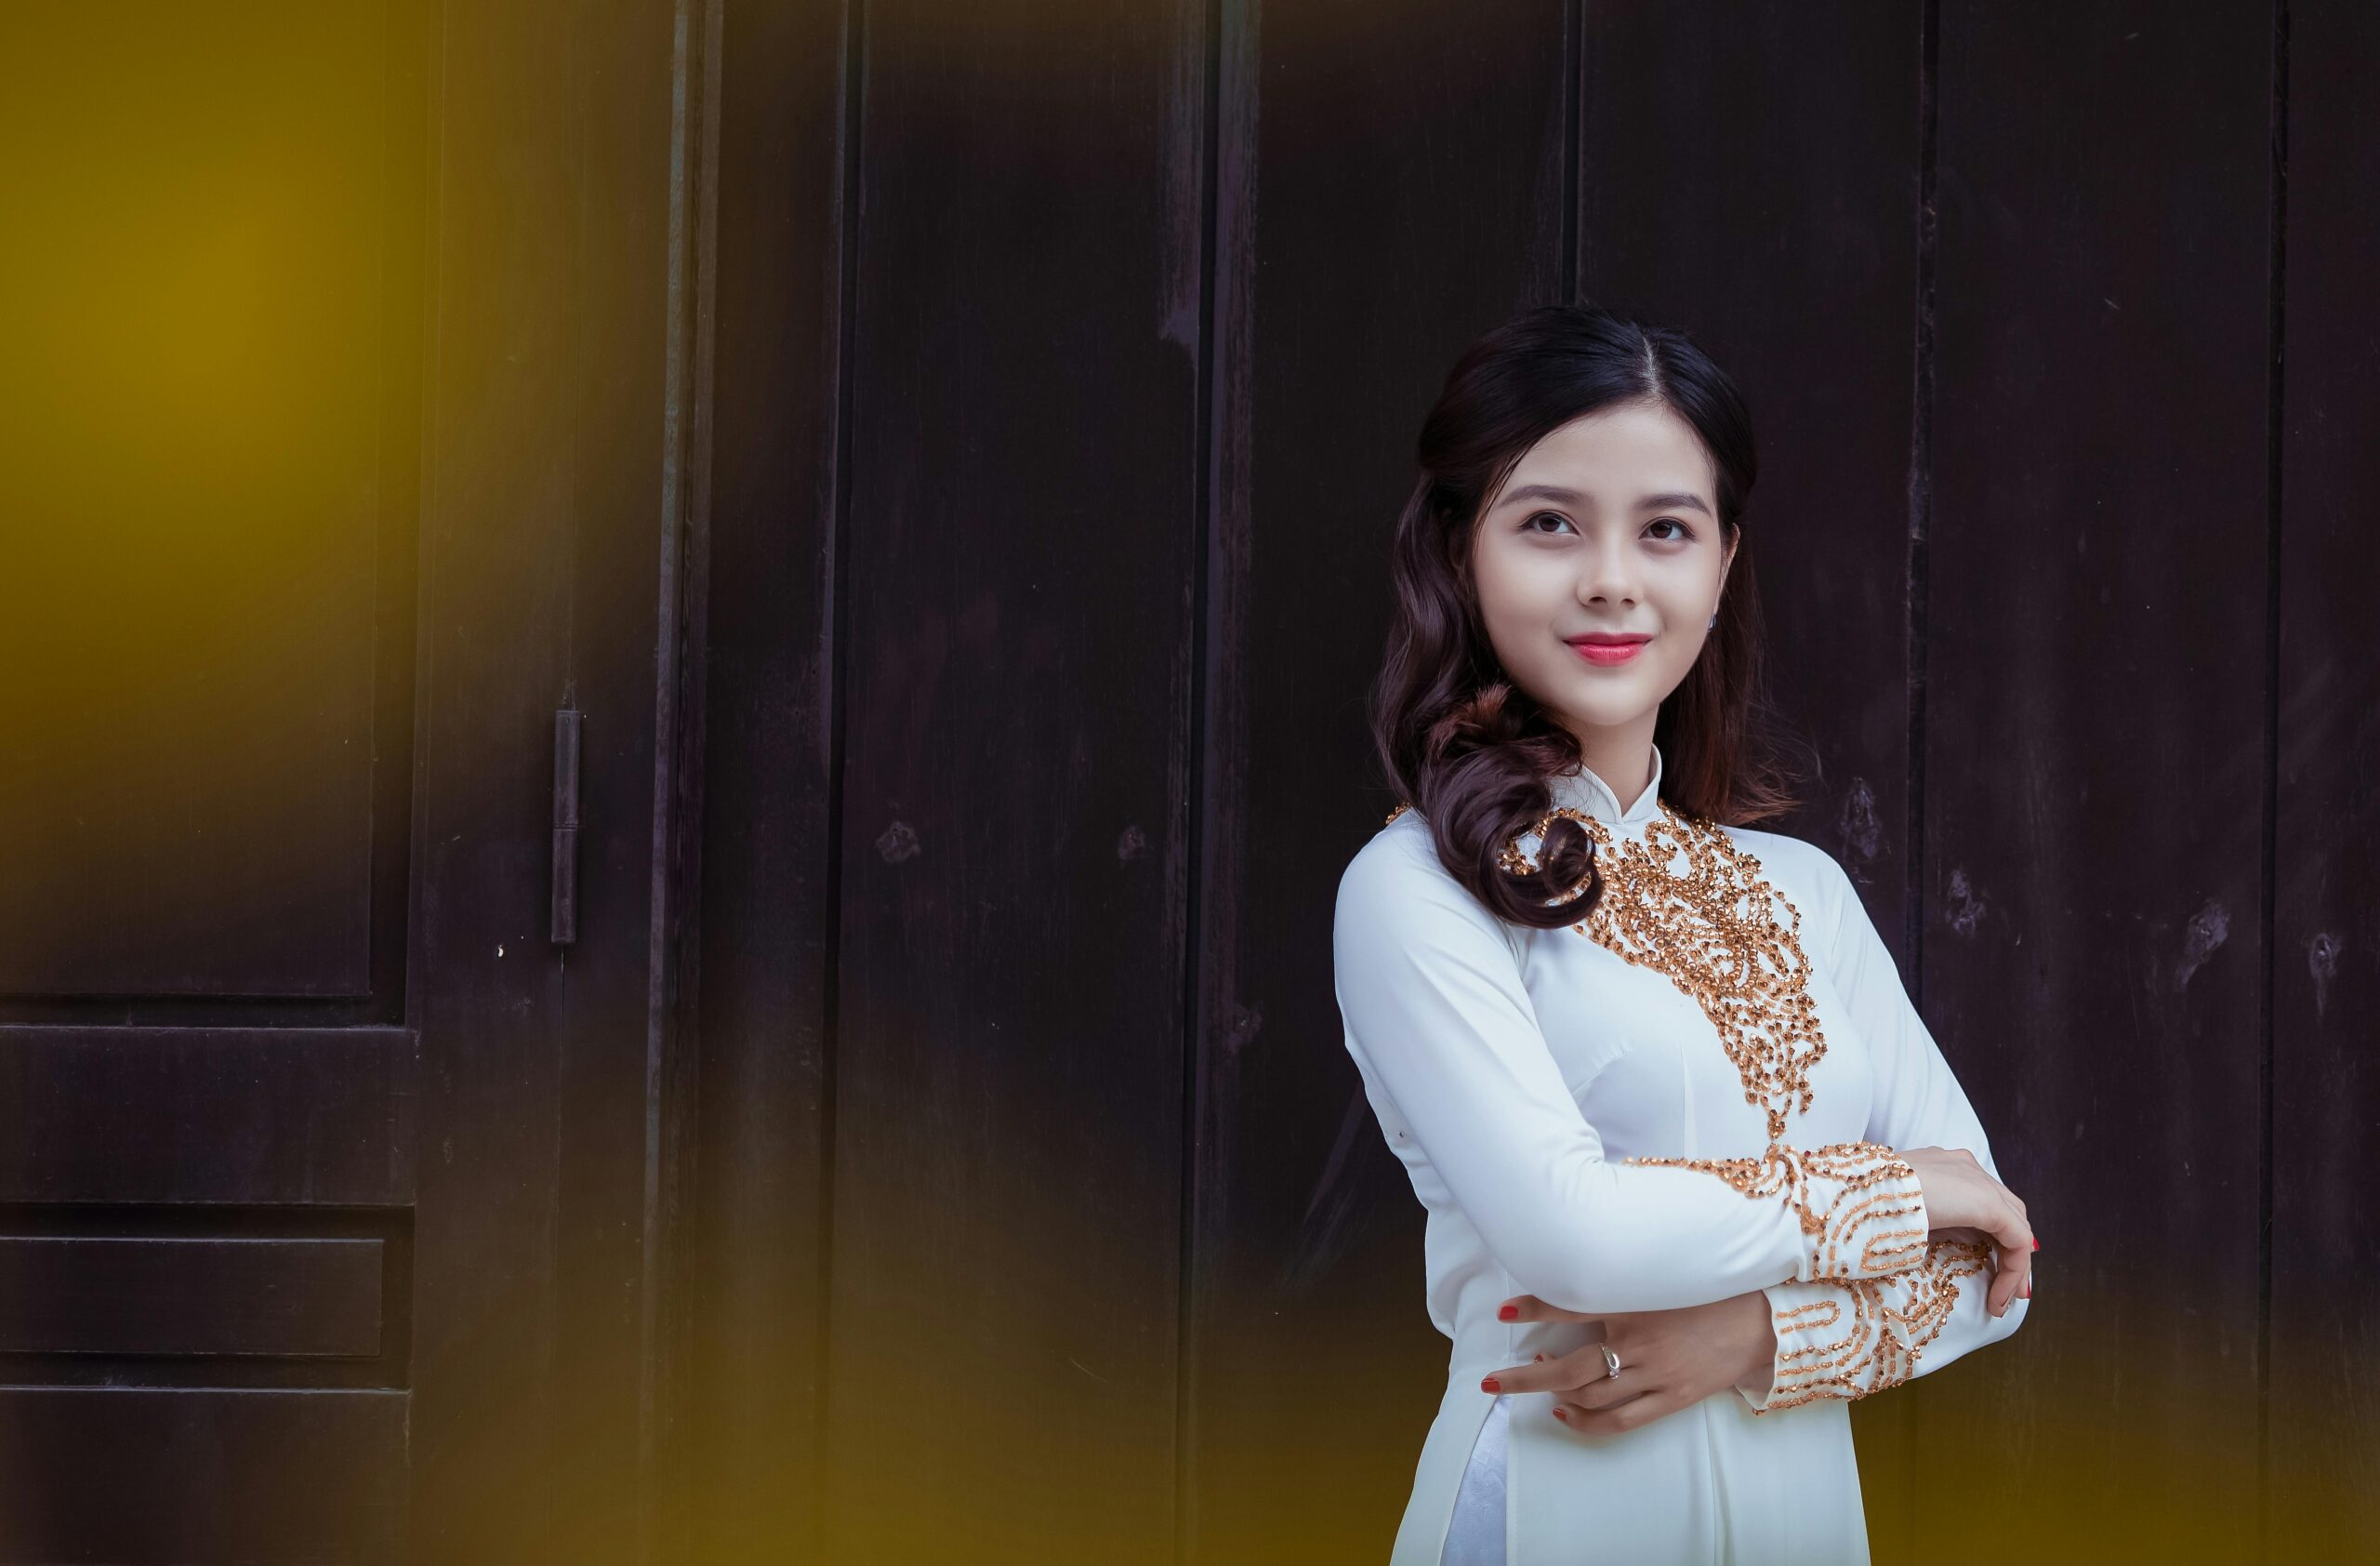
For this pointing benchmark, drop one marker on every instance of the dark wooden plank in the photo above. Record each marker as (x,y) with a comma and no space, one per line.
(2095,784)
(164,1294)
(565,542)
(1753,177)
(1009,1075)
(768,826)
(134,1477)
(207,1115)
(2324,1413)
(622,1072)
(498,505)
(1393,182)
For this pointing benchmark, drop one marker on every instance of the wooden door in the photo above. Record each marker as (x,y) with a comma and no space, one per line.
(341,444)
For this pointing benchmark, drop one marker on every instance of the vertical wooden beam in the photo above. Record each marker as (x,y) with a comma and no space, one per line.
(2323,1415)
(496,523)
(787,155)
(2094,775)
(623,1089)
(1007,1080)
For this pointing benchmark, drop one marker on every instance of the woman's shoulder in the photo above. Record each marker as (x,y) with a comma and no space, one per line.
(1802,869)
(1395,886)
(1402,853)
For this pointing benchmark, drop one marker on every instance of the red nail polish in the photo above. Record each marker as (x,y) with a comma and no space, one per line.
(2037,1242)
(1507,1313)
(1489,1384)
(1562,1416)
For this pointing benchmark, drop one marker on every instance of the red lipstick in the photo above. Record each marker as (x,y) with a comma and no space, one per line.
(1605,650)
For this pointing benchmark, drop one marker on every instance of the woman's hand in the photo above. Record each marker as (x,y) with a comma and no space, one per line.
(1669,1359)
(1961,1194)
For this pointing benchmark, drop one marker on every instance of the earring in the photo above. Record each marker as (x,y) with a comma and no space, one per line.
(1714,620)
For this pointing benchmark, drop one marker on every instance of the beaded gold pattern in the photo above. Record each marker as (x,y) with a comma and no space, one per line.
(1714,930)
(1689,902)
(1862,1212)
(1848,1340)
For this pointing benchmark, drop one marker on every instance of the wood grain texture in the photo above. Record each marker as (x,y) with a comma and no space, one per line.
(2323,1413)
(768,880)
(141,1477)
(1008,1082)
(2095,766)
(620,1068)
(498,505)
(83,1293)
(207,1115)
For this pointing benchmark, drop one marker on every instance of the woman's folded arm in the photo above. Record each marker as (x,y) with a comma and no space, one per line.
(1850,1339)
(1438,1015)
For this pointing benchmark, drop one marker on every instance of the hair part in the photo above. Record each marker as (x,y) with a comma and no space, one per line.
(1469,750)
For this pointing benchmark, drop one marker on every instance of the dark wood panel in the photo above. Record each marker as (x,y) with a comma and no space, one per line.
(1752,175)
(211,438)
(130,1475)
(2324,1413)
(633,572)
(201,1115)
(160,1295)
(2096,769)
(768,913)
(1008,1075)
(496,523)
(1393,182)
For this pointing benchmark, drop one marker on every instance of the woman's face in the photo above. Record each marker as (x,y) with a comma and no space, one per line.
(1606,528)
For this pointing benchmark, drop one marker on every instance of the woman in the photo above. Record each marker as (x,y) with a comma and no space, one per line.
(1696,1174)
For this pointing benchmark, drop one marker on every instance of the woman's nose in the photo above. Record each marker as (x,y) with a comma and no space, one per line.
(1611,575)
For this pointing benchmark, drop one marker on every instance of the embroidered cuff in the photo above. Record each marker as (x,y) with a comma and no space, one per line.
(1849,1339)
(1861,1208)
(1863,1212)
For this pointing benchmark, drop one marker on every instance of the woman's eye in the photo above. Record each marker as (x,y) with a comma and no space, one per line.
(1682,530)
(1546,516)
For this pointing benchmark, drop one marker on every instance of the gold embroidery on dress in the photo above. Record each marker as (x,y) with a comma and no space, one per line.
(1872,1220)
(1713,930)
(1819,1354)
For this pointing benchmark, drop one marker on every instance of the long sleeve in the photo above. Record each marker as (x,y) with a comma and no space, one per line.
(1437,1015)
(1852,1338)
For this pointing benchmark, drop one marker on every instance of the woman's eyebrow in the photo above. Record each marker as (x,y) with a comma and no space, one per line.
(1678,500)
(1540,492)
(1673,499)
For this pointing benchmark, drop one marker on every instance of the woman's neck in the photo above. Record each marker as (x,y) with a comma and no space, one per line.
(1622,758)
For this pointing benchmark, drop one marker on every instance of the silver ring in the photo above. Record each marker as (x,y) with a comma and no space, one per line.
(1610,1361)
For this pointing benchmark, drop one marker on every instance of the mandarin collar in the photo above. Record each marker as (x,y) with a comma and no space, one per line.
(1583,788)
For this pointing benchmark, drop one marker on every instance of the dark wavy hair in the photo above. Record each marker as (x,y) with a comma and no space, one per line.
(1462,743)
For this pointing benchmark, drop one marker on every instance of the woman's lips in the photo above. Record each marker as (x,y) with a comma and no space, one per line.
(1606,654)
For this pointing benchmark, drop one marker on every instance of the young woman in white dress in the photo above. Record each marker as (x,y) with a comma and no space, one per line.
(1696,1174)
